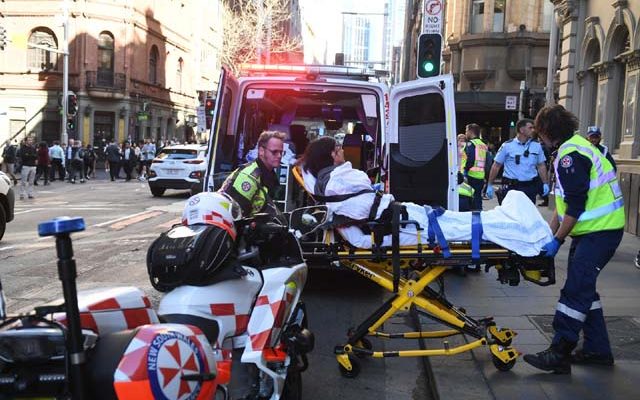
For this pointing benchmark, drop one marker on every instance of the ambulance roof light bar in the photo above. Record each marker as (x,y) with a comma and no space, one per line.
(337,70)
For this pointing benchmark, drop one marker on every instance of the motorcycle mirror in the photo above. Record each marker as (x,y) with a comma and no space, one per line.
(306,219)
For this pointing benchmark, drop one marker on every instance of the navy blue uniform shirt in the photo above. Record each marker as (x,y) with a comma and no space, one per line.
(471,156)
(573,175)
(608,155)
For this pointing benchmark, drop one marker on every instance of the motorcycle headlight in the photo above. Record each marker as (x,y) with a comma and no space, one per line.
(32,345)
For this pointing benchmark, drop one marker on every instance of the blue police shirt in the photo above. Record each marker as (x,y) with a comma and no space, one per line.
(512,150)
(573,174)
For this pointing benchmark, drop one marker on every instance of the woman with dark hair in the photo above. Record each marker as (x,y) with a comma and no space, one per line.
(589,208)
(43,161)
(347,192)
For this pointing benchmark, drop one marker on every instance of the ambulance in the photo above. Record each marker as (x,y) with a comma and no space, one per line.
(403,136)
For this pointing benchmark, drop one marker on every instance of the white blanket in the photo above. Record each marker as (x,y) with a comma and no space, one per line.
(515,225)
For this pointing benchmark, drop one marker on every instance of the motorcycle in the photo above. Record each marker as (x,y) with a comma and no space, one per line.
(241,338)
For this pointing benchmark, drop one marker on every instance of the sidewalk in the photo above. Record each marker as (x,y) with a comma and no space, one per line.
(528,309)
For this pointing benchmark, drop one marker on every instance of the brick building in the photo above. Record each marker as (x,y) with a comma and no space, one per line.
(138,67)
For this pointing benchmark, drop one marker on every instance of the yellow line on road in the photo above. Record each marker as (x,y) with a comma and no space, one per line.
(134,219)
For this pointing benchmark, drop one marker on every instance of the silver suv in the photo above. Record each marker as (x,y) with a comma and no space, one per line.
(7,202)
(178,167)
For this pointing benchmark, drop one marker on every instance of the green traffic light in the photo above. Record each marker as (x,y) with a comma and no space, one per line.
(428,66)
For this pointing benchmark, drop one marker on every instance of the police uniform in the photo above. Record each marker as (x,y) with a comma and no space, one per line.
(252,187)
(520,161)
(476,152)
(586,189)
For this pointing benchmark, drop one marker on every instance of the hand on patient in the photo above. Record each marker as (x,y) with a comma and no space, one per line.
(545,189)
(490,191)
(551,249)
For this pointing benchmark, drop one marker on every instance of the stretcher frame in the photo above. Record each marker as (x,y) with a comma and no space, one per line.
(408,272)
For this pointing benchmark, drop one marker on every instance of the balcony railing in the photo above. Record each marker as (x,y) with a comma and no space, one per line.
(106,80)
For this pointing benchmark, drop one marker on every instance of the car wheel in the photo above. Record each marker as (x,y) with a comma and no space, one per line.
(3,221)
(157,192)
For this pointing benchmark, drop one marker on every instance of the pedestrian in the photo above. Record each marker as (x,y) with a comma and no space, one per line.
(43,163)
(56,156)
(68,157)
(76,166)
(114,156)
(128,160)
(476,152)
(149,153)
(524,164)
(595,136)
(9,159)
(27,157)
(89,162)
(590,209)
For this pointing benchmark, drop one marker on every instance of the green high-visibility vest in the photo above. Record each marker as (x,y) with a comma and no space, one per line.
(604,209)
(464,189)
(477,171)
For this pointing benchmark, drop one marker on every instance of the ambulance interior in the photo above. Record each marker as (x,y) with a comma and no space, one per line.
(305,113)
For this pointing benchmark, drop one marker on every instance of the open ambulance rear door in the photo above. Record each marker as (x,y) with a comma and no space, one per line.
(221,146)
(421,150)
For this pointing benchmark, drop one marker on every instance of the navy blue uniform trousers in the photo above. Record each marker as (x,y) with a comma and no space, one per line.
(477,185)
(579,307)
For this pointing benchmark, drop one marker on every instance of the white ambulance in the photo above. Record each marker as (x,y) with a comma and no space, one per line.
(407,132)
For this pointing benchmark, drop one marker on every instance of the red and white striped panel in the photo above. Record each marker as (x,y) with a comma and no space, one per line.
(267,319)
(230,323)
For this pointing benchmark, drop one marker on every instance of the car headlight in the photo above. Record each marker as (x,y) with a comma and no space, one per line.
(32,345)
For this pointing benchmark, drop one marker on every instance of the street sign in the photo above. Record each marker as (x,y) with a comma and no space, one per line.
(142,116)
(432,16)
(511,103)
(202,117)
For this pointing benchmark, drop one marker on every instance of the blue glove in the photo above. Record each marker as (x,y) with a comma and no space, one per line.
(545,189)
(490,191)
(378,187)
(551,249)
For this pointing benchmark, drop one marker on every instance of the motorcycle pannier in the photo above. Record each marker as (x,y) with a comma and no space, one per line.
(187,255)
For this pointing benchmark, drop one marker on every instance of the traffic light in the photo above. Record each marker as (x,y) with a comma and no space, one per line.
(209,106)
(535,105)
(429,50)
(72,104)
(3,37)
(71,124)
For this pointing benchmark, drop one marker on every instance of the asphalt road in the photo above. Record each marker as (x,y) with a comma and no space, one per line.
(122,218)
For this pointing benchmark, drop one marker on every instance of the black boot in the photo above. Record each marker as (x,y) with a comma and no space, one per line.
(557,358)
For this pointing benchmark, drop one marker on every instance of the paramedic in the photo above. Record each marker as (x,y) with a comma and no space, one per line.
(523,160)
(590,210)
(252,185)
(476,152)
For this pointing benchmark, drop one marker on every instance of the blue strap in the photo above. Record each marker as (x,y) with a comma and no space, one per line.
(435,230)
(476,235)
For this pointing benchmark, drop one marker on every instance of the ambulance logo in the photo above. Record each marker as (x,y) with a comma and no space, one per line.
(172,355)
(246,186)
(566,161)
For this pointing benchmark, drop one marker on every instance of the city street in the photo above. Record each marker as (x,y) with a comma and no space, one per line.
(122,219)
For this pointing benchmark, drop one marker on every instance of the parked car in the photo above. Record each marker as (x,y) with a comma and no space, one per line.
(7,202)
(178,167)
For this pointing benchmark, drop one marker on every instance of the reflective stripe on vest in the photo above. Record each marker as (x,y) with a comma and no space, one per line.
(464,189)
(462,158)
(604,209)
(477,171)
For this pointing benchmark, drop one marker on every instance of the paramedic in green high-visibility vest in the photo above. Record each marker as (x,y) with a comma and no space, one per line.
(465,194)
(476,152)
(589,209)
(252,185)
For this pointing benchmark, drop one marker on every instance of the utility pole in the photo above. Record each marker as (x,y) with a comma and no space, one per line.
(65,72)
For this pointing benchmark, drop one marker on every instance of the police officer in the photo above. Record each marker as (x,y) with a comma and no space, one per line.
(252,185)
(595,136)
(523,160)
(476,152)
(589,208)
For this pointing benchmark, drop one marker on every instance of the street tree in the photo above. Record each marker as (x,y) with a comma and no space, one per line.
(256,31)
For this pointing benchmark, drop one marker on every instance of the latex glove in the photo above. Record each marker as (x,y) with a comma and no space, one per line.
(377,186)
(490,191)
(551,249)
(545,189)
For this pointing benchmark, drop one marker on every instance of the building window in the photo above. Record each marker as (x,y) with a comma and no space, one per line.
(179,74)
(498,16)
(477,16)
(154,55)
(42,59)
(105,59)
(547,16)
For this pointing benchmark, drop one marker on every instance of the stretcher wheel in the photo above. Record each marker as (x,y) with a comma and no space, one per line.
(365,344)
(502,366)
(355,368)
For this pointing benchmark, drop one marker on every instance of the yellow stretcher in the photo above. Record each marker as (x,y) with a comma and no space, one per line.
(408,272)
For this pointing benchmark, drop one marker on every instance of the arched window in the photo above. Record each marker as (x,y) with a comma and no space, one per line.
(620,46)
(154,56)
(590,85)
(179,74)
(42,59)
(105,59)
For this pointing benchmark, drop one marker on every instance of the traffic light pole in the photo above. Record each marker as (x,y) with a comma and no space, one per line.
(64,137)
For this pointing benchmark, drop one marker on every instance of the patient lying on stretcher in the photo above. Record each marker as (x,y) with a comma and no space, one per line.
(515,225)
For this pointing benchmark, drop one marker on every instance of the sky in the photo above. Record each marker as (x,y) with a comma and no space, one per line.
(322,25)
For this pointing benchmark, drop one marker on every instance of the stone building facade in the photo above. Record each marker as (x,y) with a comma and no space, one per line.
(599,80)
(139,68)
